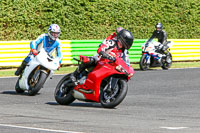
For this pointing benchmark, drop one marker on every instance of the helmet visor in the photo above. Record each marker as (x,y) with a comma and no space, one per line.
(158,28)
(123,43)
(55,34)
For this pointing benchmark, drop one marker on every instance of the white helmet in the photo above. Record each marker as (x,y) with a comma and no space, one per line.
(54,31)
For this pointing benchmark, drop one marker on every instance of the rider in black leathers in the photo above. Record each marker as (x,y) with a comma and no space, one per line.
(160,34)
(162,38)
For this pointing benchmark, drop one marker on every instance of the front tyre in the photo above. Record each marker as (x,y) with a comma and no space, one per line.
(143,63)
(17,88)
(63,92)
(114,98)
(34,89)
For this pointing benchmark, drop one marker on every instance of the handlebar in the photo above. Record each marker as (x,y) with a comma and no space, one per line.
(76,59)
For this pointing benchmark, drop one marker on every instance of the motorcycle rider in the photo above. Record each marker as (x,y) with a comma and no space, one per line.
(112,47)
(113,36)
(49,41)
(162,38)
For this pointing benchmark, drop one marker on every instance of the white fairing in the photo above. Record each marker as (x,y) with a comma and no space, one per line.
(152,46)
(170,44)
(149,48)
(40,59)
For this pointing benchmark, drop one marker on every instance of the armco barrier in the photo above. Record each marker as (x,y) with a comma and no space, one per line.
(89,48)
(13,52)
(185,49)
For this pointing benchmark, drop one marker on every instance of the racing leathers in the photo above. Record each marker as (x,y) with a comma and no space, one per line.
(48,44)
(162,38)
(108,49)
(161,35)
(43,41)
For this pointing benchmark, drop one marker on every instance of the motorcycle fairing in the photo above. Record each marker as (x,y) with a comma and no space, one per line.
(99,73)
(23,82)
(40,59)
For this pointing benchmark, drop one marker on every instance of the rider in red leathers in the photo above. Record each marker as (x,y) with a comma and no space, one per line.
(110,48)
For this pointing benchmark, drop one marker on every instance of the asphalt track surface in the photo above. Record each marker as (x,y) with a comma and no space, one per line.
(158,101)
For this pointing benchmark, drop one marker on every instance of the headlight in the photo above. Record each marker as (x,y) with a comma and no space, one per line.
(119,68)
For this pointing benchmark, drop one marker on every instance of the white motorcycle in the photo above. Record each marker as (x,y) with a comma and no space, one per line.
(152,58)
(36,73)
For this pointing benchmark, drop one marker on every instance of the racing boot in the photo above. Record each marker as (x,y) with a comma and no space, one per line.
(21,68)
(74,76)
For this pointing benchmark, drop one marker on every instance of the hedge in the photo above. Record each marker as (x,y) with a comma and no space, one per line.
(96,19)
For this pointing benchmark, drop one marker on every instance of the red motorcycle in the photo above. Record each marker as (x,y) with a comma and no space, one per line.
(105,83)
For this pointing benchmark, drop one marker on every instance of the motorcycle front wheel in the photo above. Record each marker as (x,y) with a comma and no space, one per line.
(17,88)
(34,89)
(113,98)
(143,63)
(63,92)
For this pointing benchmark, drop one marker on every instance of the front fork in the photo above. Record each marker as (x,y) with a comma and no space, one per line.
(147,58)
(111,84)
(35,76)
(33,81)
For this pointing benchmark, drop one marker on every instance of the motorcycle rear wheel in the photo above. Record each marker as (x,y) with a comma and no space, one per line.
(33,90)
(117,98)
(143,63)
(63,94)
(165,64)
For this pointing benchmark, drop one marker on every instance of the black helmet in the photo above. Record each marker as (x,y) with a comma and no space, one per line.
(126,38)
(158,26)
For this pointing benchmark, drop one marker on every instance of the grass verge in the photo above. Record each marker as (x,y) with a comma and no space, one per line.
(69,69)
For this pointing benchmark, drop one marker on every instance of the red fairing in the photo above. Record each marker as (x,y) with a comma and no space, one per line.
(101,71)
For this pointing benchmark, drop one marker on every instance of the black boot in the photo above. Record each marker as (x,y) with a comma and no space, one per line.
(20,68)
(74,75)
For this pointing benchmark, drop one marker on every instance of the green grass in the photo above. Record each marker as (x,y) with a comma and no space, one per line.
(69,69)
(10,72)
(175,65)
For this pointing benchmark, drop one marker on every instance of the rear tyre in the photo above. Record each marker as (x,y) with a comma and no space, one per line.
(114,98)
(63,92)
(167,62)
(143,63)
(33,90)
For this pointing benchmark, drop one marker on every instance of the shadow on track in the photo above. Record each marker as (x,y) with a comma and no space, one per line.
(15,93)
(78,104)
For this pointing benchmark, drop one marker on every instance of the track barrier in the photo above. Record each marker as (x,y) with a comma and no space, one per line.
(12,53)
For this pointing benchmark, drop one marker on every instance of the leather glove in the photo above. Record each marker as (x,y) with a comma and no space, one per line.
(84,59)
(59,66)
(107,56)
(34,52)
(112,58)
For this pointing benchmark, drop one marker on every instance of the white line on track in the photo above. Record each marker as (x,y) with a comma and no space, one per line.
(174,128)
(40,129)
